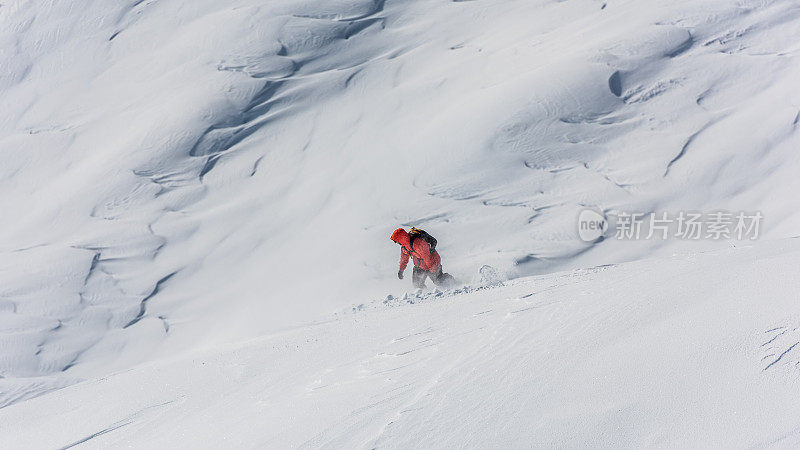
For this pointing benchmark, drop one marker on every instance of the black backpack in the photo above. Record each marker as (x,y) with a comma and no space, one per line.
(422,234)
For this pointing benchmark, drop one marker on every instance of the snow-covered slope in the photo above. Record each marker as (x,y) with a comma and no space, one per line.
(180,175)
(690,351)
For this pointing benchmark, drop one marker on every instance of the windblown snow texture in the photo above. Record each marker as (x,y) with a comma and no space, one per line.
(183,178)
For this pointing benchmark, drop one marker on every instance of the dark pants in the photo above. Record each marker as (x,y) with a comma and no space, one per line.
(439,278)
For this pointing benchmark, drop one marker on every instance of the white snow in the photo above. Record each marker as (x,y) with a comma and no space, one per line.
(687,351)
(196,193)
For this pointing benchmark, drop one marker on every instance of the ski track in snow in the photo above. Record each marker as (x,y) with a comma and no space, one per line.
(518,362)
(781,342)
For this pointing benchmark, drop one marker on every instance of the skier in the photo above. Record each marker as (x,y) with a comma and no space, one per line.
(421,247)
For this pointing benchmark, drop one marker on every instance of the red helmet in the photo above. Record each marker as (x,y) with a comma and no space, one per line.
(399,234)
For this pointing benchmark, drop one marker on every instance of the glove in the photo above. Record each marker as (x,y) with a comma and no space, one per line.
(400,274)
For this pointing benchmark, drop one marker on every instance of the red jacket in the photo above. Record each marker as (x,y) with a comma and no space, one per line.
(421,253)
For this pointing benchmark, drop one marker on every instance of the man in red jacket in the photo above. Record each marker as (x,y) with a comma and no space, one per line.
(427,262)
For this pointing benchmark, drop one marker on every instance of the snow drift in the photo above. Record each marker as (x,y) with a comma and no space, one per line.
(181,175)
